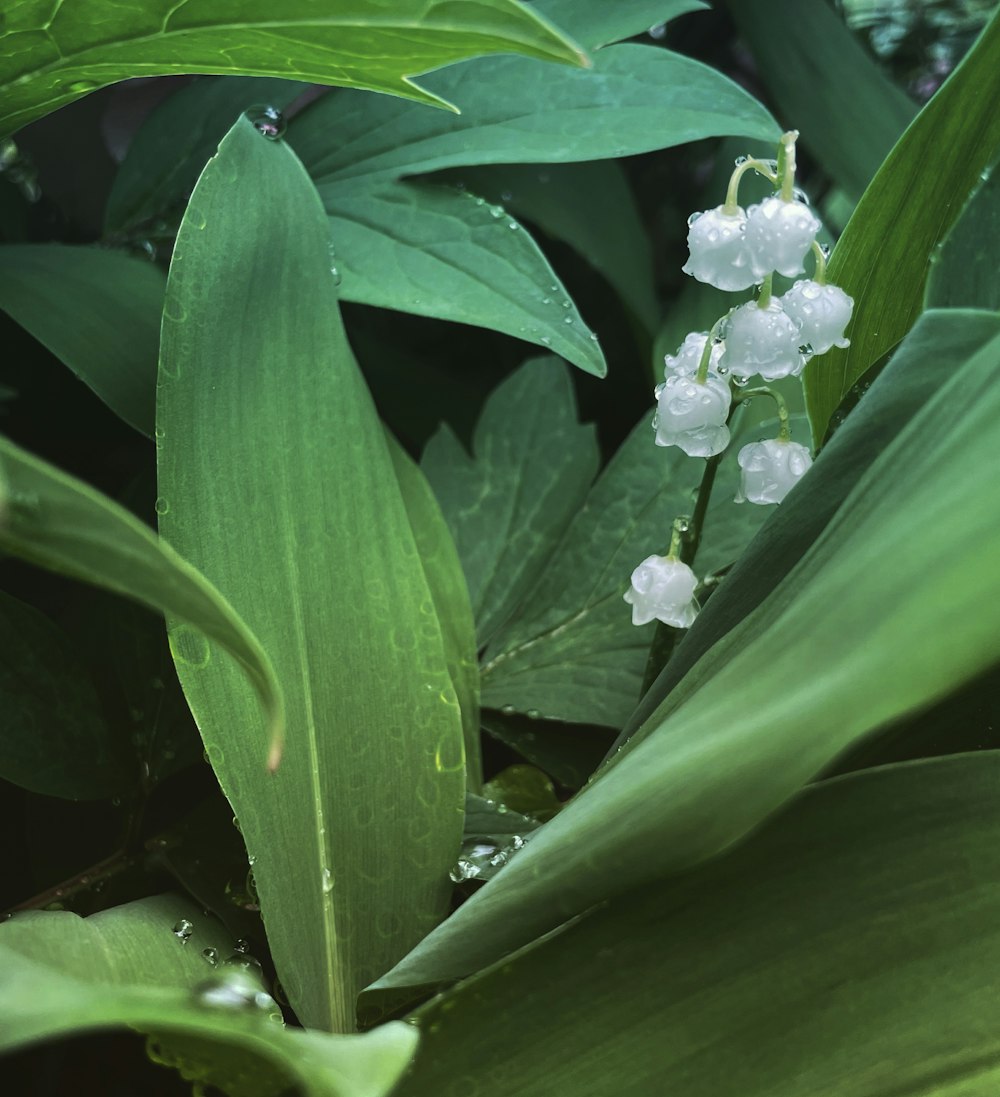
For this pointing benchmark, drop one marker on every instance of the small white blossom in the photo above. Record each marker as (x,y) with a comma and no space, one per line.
(663,588)
(822,313)
(718,252)
(688,357)
(692,414)
(778,236)
(764,341)
(769,470)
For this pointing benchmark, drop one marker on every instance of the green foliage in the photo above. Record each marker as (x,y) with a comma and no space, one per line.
(573,854)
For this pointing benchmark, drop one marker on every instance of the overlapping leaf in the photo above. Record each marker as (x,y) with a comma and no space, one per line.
(840,648)
(55,53)
(849,948)
(274,474)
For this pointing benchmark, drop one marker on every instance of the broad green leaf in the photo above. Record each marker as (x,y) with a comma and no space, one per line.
(825,85)
(440,252)
(596,23)
(450,594)
(568,753)
(174,143)
(55,55)
(276,478)
(98,312)
(879,618)
(848,948)
(588,206)
(635,99)
(59,523)
(964,267)
(55,738)
(62,975)
(509,503)
(883,257)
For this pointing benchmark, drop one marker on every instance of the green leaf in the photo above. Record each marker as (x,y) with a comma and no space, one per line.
(450,594)
(61,975)
(55,739)
(848,948)
(55,55)
(596,23)
(175,141)
(98,312)
(275,476)
(59,523)
(825,85)
(508,504)
(588,206)
(568,753)
(438,252)
(883,257)
(879,618)
(964,268)
(634,99)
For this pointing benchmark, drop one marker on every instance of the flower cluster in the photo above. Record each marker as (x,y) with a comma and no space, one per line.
(770,337)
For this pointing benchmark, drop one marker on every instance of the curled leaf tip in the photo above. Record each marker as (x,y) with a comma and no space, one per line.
(275,752)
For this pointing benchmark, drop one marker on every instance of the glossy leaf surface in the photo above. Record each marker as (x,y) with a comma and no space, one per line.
(821,957)
(598,23)
(98,311)
(276,477)
(127,968)
(777,698)
(883,257)
(57,53)
(59,523)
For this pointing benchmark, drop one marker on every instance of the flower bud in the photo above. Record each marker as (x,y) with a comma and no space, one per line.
(717,247)
(763,341)
(688,357)
(663,588)
(692,414)
(778,236)
(822,313)
(769,470)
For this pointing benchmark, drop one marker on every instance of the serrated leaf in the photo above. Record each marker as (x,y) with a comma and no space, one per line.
(508,503)
(59,523)
(278,437)
(55,739)
(883,257)
(635,99)
(98,312)
(62,975)
(435,251)
(839,649)
(54,55)
(848,948)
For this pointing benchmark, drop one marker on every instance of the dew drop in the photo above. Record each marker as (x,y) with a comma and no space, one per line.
(161,506)
(267,121)
(496,211)
(658,31)
(183,928)
(507,710)
(326,881)
(81,87)
(242,945)
(211,956)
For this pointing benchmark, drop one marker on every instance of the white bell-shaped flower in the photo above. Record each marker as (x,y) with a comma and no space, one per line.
(688,357)
(778,236)
(663,589)
(769,470)
(717,246)
(692,414)
(764,341)
(822,313)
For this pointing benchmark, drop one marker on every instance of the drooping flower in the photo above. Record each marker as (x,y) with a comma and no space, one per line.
(822,313)
(717,246)
(778,236)
(688,357)
(769,470)
(764,341)
(663,589)
(692,414)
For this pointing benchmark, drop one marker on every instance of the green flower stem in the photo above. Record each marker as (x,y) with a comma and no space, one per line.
(819,274)
(786,164)
(785,430)
(765,292)
(732,203)
(706,355)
